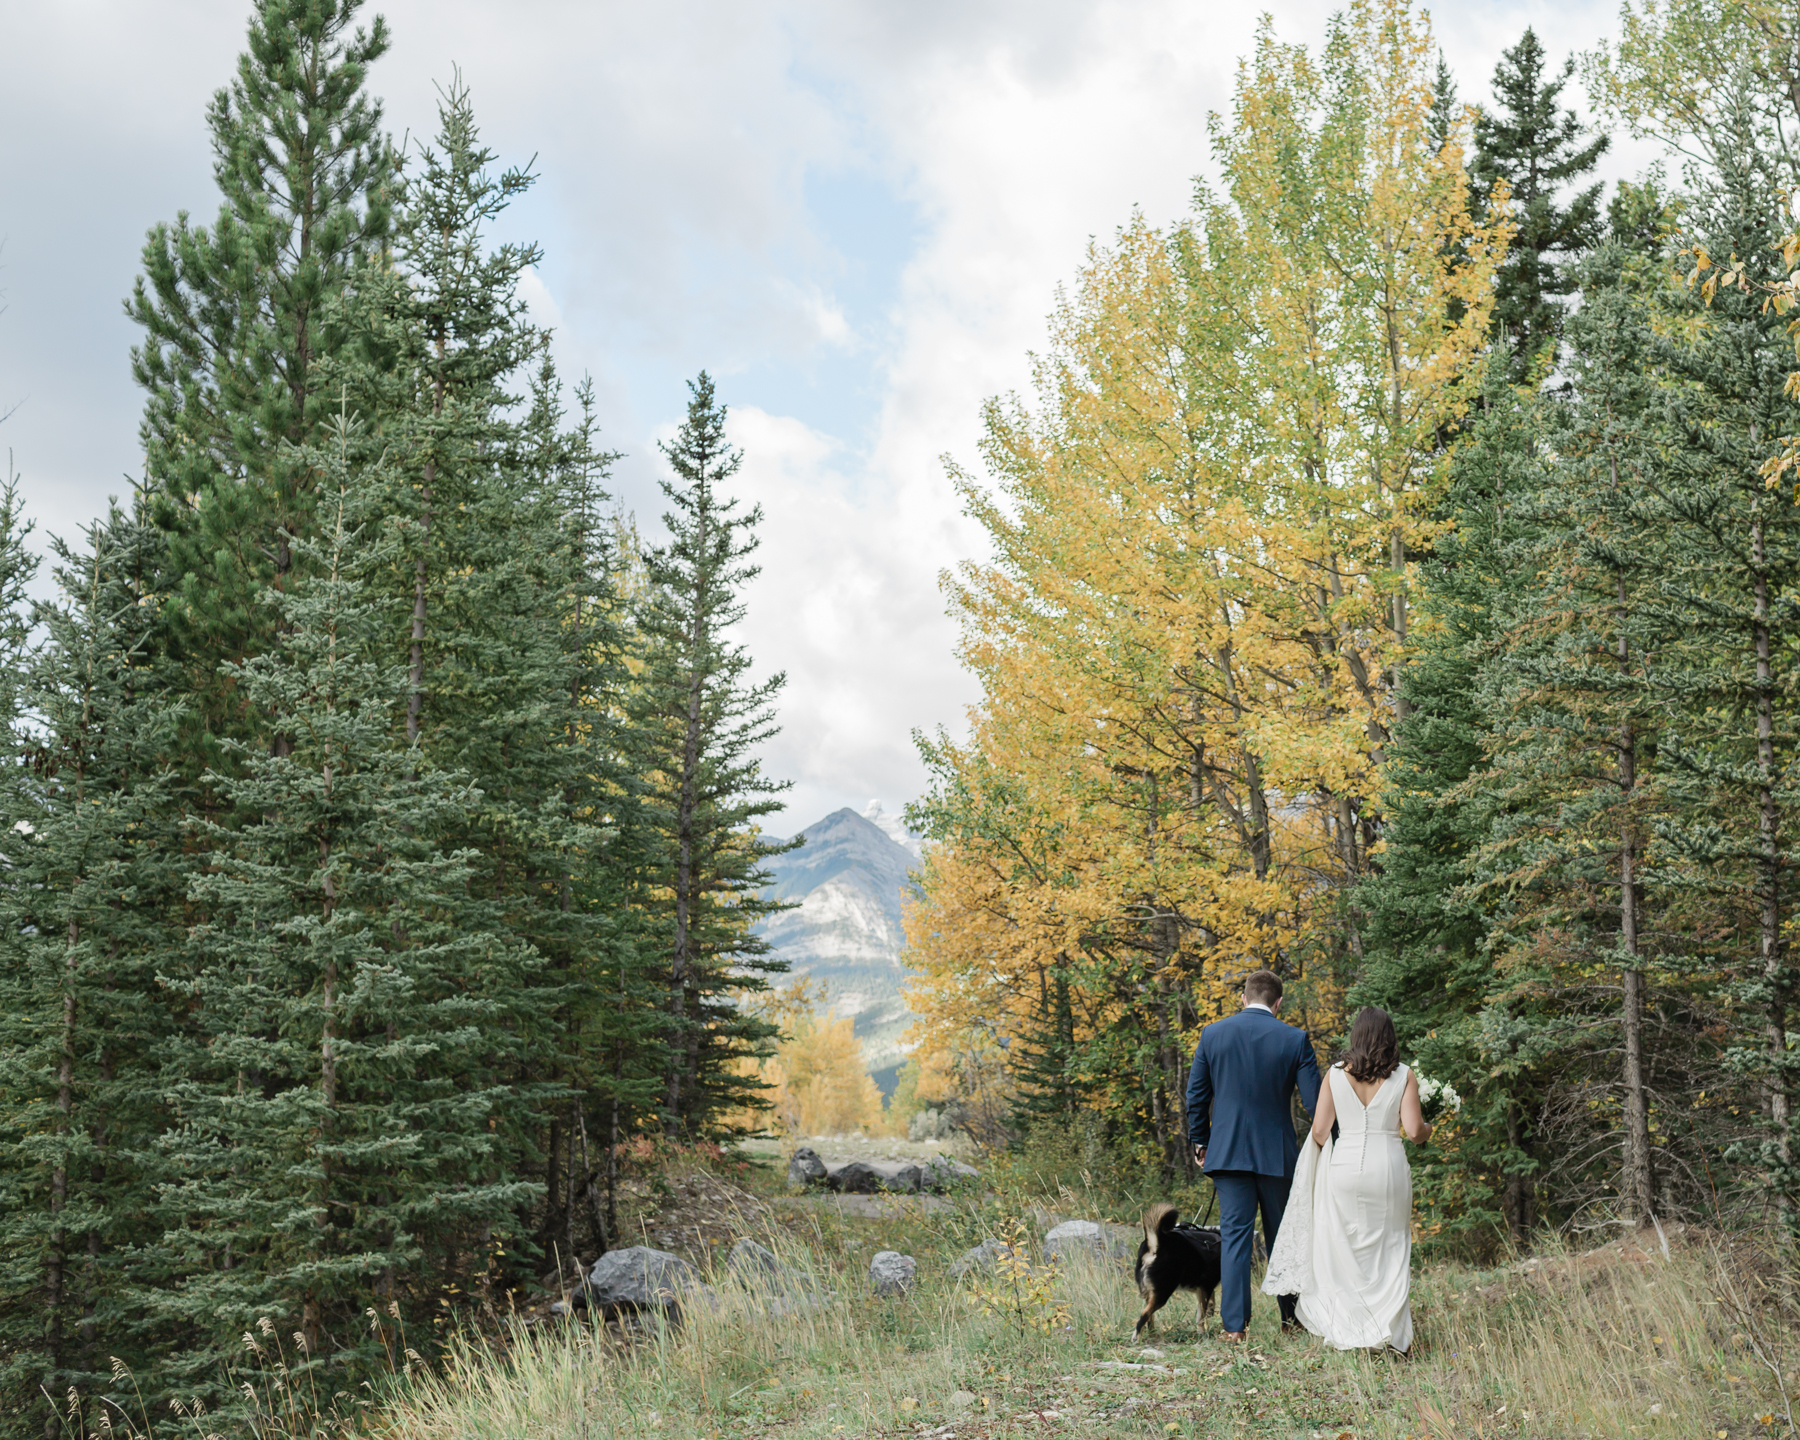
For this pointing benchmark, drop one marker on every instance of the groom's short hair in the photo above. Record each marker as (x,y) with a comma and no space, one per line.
(1262,987)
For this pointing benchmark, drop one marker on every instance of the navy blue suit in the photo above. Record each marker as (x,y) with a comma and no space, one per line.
(1246,1069)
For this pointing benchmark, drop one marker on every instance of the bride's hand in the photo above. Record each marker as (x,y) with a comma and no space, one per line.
(1324,1116)
(1412,1117)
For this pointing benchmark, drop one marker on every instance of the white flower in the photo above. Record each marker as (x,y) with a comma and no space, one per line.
(1438,1090)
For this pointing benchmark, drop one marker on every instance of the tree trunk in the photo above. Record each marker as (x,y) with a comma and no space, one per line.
(1639,1190)
(1517,1196)
(684,1054)
(1768,835)
(54,1265)
(415,692)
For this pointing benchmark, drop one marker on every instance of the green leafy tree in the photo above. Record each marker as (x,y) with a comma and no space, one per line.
(1730,611)
(1573,785)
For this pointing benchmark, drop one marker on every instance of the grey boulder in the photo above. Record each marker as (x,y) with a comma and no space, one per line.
(805,1168)
(1090,1238)
(754,1264)
(942,1173)
(874,1177)
(891,1273)
(981,1259)
(763,1273)
(864,1177)
(639,1280)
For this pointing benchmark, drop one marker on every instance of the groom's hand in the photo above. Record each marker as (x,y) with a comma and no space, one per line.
(1199,1155)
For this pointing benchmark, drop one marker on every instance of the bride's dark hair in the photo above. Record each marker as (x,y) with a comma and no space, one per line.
(1373,1053)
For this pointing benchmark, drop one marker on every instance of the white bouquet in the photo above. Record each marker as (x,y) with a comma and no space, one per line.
(1437,1097)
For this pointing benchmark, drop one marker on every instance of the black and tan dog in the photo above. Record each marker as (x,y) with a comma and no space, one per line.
(1175,1257)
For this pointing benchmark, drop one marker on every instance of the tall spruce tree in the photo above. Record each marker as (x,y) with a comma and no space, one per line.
(234,327)
(1730,608)
(1427,953)
(1539,151)
(338,1117)
(509,614)
(1572,784)
(93,866)
(698,723)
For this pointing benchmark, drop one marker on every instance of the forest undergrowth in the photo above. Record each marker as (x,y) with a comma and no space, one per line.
(1688,1333)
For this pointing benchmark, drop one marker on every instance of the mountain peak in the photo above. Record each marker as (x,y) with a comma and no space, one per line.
(893,826)
(848,877)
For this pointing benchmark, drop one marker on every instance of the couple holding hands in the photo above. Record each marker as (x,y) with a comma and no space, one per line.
(1336,1212)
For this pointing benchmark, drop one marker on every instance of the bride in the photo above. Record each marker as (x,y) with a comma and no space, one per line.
(1345,1244)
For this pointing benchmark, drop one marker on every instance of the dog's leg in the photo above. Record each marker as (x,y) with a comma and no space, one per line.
(1147,1321)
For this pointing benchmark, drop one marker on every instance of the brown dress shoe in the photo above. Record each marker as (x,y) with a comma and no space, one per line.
(1232,1337)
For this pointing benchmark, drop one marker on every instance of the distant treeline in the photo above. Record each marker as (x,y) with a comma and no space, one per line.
(378,848)
(1396,583)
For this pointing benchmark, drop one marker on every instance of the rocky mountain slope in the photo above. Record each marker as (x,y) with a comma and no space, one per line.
(849,878)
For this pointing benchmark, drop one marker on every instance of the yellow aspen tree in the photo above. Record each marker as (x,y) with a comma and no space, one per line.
(1202,535)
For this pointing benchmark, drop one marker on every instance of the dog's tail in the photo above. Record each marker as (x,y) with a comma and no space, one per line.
(1158,1218)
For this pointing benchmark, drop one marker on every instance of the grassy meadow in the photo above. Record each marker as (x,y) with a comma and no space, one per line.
(1614,1341)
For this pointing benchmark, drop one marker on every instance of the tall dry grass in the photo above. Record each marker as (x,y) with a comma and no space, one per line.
(1604,1347)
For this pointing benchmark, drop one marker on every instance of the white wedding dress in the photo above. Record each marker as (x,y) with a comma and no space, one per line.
(1345,1244)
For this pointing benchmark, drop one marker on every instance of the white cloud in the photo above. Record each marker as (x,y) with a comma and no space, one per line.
(689,152)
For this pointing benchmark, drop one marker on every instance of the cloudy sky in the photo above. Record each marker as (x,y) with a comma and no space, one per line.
(853,212)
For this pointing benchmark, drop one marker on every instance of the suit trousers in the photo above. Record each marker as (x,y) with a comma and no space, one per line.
(1241,1194)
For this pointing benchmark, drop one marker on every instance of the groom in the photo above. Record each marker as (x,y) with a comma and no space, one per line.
(1244,1075)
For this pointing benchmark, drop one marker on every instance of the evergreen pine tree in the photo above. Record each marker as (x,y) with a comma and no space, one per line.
(1538,151)
(698,722)
(1572,787)
(1730,611)
(1427,958)
(1446,114)
(340,1117)
(514,643)
(234,329)
(93,866)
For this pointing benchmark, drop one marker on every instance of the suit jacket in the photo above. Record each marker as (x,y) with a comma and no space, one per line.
(1245,1071)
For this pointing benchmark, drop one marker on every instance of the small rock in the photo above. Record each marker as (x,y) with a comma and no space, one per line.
(891,1273)
(751,1262)
(961,1399)
(982,1258)
(857,1178)
(559,1307)
(1656,1409)
(1150,1352)
(783,1289)
(805,1168)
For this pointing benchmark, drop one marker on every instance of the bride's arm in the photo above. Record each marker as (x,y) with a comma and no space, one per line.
(1324,1114)
(1412,1118)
